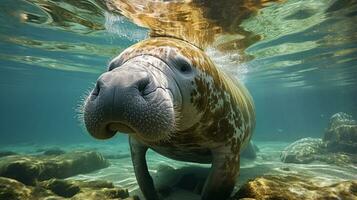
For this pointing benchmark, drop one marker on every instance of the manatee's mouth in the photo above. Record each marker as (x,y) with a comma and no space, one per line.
(119,127)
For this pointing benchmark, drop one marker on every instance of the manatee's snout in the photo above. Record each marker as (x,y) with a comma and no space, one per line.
(133,98)
(114,94)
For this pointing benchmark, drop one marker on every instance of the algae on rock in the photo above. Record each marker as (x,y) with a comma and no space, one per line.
(11,189)
(294,187)
(30,169)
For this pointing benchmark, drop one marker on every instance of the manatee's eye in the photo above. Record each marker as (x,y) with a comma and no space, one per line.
(183,66)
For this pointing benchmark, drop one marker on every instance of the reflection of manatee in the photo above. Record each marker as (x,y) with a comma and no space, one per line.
(208,23)
(170,97)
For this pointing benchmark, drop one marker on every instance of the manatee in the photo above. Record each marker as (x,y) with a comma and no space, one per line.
(167,95)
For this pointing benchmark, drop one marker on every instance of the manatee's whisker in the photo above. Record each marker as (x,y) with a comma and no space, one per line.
(79,109)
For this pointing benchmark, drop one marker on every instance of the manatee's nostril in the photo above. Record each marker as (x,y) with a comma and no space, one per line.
(142,85)
(96,90)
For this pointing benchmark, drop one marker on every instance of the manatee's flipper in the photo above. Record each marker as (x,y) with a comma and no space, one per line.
(221,180)
(250,151)
(146,184)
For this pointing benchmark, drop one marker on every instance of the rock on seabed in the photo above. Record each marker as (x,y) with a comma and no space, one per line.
(302,151)
(341,134)
(339,145)
(30,169)
(291,187)
(56,189)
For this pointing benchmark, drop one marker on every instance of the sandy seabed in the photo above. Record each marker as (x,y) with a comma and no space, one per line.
(121,173)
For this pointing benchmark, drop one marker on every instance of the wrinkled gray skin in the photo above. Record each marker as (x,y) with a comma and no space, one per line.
(137,96)
(142,97)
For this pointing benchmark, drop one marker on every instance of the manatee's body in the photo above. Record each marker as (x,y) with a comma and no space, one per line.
(185,108)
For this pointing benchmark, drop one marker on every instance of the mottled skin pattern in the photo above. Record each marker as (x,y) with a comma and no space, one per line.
(225,125)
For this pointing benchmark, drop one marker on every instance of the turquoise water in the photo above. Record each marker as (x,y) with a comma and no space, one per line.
(300,65)
(303,68)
